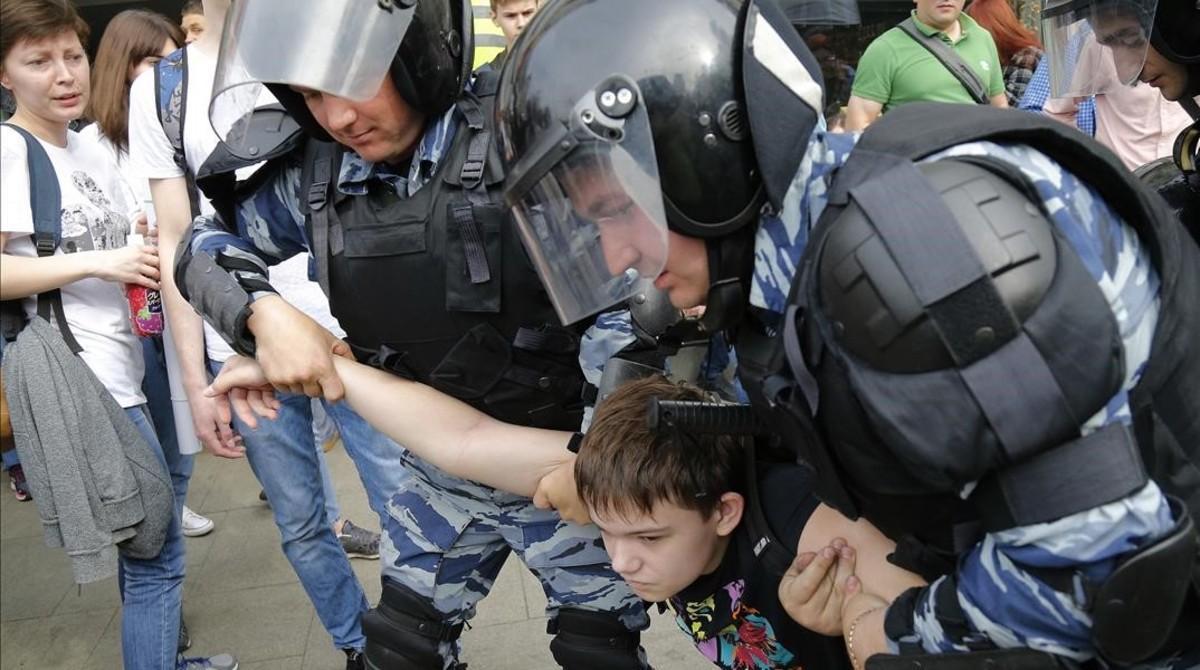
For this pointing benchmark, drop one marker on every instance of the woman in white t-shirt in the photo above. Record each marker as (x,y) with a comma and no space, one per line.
(42,62)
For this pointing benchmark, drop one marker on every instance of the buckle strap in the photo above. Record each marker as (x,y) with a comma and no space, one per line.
(546,339)
(1084,473)
(472,238)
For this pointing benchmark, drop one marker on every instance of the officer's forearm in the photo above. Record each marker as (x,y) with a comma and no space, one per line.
(452,435)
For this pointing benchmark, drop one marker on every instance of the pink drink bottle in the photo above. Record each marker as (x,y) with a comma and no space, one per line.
(145,304)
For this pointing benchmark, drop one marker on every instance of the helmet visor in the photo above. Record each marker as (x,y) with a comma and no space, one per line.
(593,219)
(343,49)
(1095,46)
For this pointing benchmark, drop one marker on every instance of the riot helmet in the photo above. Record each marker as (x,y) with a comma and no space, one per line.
(624,119)
(951,330)
(1096,45)
(344,49)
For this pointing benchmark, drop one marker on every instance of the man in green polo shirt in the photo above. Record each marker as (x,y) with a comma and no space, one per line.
(896,69)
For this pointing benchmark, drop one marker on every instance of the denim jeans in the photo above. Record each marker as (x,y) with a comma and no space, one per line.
(158,400)
(324,429)
(286,462)
(152,590)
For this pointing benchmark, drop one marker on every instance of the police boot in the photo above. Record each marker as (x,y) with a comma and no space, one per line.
(405,631)
(586,640)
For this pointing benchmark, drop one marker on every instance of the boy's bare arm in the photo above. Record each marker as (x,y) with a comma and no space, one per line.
(442,430)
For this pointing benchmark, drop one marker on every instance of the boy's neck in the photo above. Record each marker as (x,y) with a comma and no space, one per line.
(718,555)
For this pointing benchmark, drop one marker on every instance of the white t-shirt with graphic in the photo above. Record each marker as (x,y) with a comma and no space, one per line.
(153,157)
(97,208)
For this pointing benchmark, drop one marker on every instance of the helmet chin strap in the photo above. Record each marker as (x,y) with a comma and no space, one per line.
(730,265)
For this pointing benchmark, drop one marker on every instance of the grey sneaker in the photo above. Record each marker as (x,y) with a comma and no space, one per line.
(218,662)
(358,542)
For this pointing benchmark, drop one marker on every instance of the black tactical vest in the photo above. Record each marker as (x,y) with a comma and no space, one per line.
(437,287)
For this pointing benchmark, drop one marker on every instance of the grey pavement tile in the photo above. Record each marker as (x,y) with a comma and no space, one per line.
(34,578)
(319,652)
(230,485)
(196,549)
(52,643)
(107,653)
(256,624)
(293,663)
(245,553)
(103,595)
(17,519)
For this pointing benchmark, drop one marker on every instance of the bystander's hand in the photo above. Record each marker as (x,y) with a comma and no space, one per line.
(557,491)
(212,426)
(126,265)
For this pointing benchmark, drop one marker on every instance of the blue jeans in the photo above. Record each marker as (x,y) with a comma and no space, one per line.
(286,461)
(152,590)
(158,400)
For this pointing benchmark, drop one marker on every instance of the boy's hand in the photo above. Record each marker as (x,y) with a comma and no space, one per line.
(816,587)
(557,491)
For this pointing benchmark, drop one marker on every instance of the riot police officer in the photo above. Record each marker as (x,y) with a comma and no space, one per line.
(395,194)
(1152,41)
(974,348)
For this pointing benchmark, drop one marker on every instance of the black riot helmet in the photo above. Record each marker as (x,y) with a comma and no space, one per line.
(1094,45)
(951,331)
(343,49)
(623,119)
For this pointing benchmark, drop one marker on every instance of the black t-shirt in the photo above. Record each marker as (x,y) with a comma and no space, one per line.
(734,615)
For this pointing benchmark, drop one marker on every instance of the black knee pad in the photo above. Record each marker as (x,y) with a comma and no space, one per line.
(594,641)
(405,631)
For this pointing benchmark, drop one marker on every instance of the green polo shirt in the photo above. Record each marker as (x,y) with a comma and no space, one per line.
(895,69)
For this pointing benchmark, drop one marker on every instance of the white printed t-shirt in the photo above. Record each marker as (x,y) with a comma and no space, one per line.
(96,211)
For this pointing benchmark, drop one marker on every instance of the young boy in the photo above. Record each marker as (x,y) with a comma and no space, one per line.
(192,20)
(670,508)
(673,512)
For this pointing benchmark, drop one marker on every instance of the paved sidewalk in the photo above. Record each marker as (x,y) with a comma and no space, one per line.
(241,595)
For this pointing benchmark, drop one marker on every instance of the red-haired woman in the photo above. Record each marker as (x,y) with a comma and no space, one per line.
(1020,50)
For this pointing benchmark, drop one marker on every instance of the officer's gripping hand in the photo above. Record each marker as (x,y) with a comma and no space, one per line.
(817,585)
(295,352)
(557,491)
(243,386)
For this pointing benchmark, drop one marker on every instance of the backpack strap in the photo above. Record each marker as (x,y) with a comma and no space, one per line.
(170,97)
(45,202)
(949,58)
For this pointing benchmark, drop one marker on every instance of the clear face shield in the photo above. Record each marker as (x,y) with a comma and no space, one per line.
(340,48)
(1095,46)
(589,206)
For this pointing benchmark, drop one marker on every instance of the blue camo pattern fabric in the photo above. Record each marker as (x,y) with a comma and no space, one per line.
(1005,604)
(443,537)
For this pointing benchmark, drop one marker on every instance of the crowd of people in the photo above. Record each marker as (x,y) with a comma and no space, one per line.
(945,410)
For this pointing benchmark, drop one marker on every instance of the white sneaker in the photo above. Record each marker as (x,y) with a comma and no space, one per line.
(195,525)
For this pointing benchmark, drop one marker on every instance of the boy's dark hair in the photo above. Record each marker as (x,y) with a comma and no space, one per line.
(624,467)
(192,7)
(37,20)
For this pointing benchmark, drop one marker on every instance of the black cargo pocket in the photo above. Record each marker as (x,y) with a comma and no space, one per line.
(475,365)
(392,239)
(473,238)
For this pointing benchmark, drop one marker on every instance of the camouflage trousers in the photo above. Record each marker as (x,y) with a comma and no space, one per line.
(446,539)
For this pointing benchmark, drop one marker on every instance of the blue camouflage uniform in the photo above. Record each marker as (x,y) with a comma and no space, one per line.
(443,537)
(995,585)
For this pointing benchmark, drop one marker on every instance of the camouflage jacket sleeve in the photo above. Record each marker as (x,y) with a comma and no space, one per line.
(999,595)
(269,228)
(223,266)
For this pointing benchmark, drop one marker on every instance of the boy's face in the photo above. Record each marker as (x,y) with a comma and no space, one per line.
(511,16)
(661,553)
